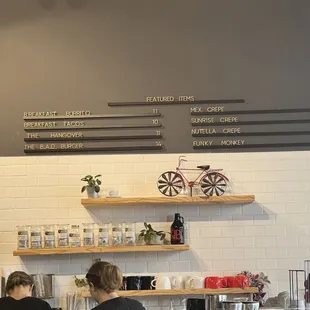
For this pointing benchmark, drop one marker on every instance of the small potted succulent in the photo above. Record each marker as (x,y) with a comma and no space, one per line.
(151,236)
(93,185)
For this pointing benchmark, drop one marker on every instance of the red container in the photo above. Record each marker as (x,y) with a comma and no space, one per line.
(241,281)
(215,282)
(230,281)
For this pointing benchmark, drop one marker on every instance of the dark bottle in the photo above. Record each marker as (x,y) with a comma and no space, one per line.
(177,229)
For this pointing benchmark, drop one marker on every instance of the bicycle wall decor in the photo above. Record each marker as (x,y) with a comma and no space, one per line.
(211,181)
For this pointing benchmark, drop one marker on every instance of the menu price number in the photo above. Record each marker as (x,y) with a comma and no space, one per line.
(155,121)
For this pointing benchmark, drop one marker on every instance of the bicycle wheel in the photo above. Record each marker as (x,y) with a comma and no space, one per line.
(170,183)
(213,183)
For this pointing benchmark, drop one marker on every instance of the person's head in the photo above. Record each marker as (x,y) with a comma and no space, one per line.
(20,282)
(103,278)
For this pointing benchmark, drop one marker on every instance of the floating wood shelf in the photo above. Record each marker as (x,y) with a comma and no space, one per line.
(108,249)
(106,202)
(250,290)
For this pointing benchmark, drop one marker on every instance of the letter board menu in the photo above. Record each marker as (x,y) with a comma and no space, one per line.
(167,124)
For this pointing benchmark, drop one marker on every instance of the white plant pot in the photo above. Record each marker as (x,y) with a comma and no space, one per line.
(91,193)
(156,241)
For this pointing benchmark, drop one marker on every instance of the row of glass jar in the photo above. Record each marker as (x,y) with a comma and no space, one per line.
(65,235)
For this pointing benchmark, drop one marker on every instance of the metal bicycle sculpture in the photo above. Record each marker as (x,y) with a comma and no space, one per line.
(211,181)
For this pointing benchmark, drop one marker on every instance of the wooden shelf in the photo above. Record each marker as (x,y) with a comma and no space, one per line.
(250,290)
(105,202)
(109,249)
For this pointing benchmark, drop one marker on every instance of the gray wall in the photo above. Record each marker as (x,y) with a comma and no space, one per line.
(79,54)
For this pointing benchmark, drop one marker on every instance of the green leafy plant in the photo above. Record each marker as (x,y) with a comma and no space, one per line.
(149,234)
(80,282)
(92,182)
(83,282)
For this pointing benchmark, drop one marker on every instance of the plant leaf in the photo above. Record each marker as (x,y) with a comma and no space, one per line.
(83,189)
(97,189)
(145,225)
(98,175)
(98,182)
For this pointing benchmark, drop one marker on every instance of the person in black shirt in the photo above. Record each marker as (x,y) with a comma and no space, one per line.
(19,289)
(104,280)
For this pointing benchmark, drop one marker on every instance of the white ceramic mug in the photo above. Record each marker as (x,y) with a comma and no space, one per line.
(177,282)
(162,283)
(186,281)
(196,282)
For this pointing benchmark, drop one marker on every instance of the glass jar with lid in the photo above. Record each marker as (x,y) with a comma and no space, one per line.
(103,234)
(88,234)
(49,236)
(75,236)
(63,235)
(22,237)
(35,237)
(117,234)
(129,233)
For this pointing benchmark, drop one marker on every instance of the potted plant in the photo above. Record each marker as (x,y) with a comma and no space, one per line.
(257,280)
(93,185)
(80,282)
(151,236)
(83,282)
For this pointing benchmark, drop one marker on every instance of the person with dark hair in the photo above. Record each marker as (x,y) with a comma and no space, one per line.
(19,290)
(104,280)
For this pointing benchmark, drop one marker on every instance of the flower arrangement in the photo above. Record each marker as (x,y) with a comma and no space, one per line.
(257,280)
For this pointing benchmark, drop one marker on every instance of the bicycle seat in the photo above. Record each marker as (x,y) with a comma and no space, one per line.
(204,167)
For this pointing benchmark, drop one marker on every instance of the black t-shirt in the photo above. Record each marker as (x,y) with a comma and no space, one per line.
(120,303)
(28,303)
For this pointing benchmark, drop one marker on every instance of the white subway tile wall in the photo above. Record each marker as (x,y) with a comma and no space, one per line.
(271,235)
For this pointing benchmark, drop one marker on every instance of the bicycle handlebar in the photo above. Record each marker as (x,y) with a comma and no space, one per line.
(181,159)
